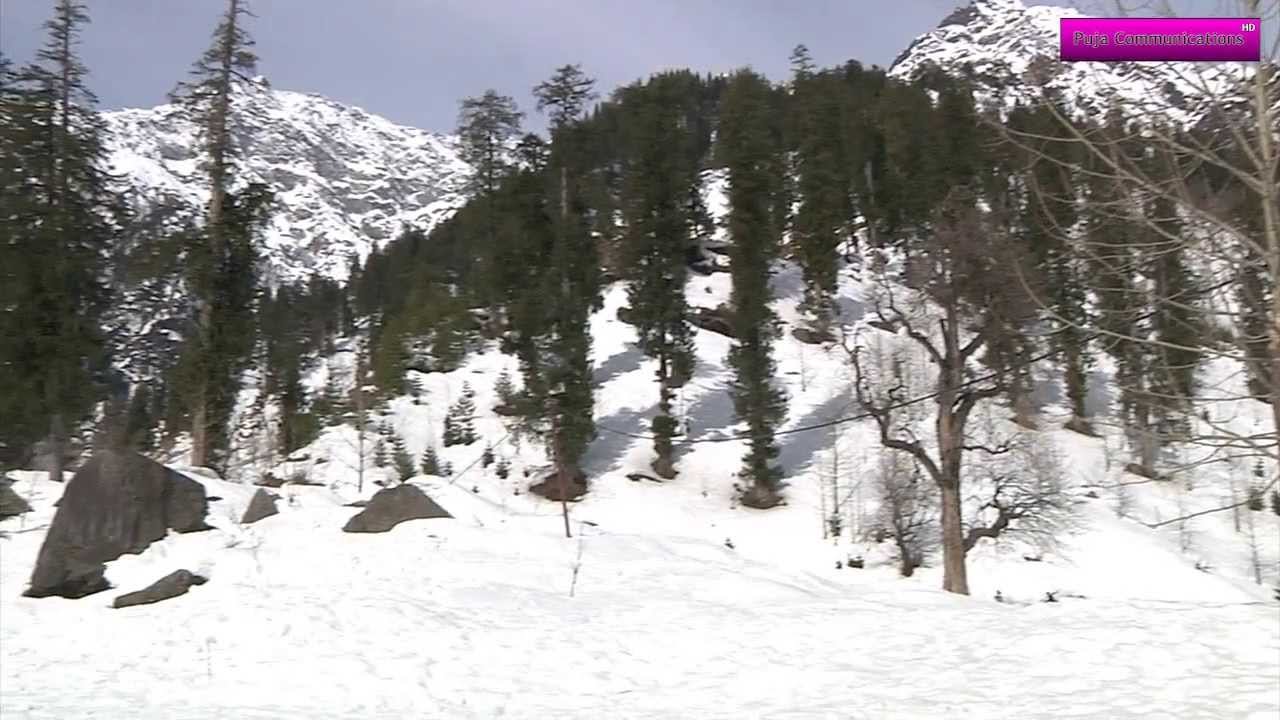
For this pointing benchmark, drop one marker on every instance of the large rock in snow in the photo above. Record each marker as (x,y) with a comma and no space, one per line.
(391,506)
(551,487)
(172,585)
(11,503)
(261,505)
(119,502)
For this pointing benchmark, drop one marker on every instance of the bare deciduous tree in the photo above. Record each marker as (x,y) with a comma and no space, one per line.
(1024,492)
(952,299)
(908,508)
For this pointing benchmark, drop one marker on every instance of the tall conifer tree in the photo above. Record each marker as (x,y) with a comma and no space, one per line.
(59,213)
(749,153)
(658,182)
(222,265)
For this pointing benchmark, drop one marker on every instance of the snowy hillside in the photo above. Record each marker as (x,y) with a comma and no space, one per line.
(345,180)
(670,601)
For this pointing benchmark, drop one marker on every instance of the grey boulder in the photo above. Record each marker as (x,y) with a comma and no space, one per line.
(172,585)
(391,506)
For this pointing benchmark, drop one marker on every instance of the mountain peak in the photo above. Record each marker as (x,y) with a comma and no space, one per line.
(976,9)
(345,180)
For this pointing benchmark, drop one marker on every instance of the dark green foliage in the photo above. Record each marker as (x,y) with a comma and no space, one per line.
(486,126)
(659,177)
(487,458)
(59,215)
(223,275)
(221,264)
(505,389)
(430,463)
(748,150)
(460,421)
(401,459)
(817,115)
(1047,212)
(564,96)
(449,435)
(551,304)
(1146,292)
(1255,501)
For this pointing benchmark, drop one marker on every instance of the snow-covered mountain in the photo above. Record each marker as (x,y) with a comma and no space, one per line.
(1010,50)
(345,179)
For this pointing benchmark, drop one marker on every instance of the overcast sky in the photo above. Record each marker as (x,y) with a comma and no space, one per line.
(411,60)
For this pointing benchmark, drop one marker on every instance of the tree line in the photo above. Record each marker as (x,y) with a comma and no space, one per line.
(1024,230)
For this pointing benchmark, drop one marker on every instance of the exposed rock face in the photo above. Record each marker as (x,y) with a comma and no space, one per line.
(391,506)
(119,502)
(550,487)
(345,180)
(718,320)
(172,585)
(261,505)
(809,336)
(760,499)
(11,503)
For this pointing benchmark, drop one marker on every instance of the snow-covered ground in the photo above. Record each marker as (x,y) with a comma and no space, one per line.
(474,618)
(684,605)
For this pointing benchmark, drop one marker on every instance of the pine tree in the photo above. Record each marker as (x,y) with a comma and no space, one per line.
(504,389)
(748,152)
(449,435)
(823,211)
(227,253)
(658,180)
(554,342)
(58,210)
(430,463)
(487,458)
(1048,212)
(465,416)
(486,127)
(400,458)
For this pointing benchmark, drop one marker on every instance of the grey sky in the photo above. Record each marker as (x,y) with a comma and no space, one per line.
(411,60)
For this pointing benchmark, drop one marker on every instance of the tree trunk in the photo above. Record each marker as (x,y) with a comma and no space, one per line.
(57,446)
(955,576)
(559,464)
(664,465)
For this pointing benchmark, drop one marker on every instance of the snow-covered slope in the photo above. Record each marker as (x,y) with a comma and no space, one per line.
(1010,49)
(345,179)
(671,601)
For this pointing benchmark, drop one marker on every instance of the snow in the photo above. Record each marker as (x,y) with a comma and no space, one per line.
(671,600)
(346,180)
(1010,49)
(474,617)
